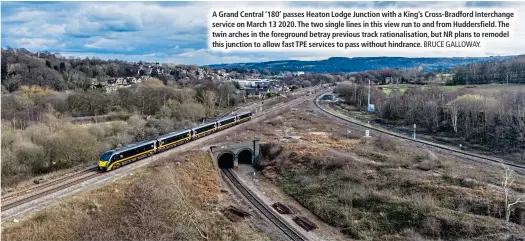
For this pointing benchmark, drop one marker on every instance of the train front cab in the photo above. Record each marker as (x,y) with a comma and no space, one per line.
(104,161)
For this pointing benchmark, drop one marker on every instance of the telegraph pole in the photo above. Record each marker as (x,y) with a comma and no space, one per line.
(368,107)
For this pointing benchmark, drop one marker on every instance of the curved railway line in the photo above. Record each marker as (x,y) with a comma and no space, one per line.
(15,199)
(442,147)
(262,207)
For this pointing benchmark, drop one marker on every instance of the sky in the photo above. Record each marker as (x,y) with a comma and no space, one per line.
(176,32)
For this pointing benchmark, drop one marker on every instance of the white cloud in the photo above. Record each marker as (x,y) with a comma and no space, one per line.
(35,43)
(178,32)
(24,15)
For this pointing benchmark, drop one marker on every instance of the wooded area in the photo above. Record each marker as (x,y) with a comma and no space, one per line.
(494,119)
(511,71)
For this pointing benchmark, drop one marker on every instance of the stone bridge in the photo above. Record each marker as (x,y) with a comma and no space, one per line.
(230,156)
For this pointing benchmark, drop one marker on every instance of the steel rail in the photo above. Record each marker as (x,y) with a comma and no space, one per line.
(41,190)
(262,207)
(490,159)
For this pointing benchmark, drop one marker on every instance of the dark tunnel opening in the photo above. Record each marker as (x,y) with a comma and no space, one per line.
(245,157)
(226,160)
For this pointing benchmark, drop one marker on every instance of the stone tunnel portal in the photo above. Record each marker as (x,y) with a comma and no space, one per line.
(226,160)
(245,157)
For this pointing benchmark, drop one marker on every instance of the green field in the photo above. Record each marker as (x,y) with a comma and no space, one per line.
(453,87)
(387,89)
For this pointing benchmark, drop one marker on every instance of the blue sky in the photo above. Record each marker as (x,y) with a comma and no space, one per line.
(174,32)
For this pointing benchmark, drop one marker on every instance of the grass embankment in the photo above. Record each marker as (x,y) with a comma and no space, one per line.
(176,199)
(380,189)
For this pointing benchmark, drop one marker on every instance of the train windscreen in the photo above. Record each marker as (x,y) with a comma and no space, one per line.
(106,156)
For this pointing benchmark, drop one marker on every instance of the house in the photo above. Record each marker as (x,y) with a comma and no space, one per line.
(256,92)
(119,81)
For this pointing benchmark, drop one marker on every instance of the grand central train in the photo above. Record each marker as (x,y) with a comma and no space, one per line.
(115,158)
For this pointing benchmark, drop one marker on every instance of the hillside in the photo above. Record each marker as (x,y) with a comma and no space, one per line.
(21,67)
(343,64)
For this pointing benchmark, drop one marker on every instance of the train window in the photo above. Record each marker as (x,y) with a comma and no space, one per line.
(105,156)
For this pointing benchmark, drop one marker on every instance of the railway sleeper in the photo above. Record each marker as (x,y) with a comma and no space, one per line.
(281,208)
(238,211)
(305,223)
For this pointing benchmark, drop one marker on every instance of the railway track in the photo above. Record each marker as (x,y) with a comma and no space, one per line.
(16,199)
(427,143)
(263,208)
(31,189)
(48,191)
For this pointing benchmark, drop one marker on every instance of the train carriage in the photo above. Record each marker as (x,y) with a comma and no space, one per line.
(244,117)
(123,155)
(112,159)
(226,122)
(173,139)
(203,130)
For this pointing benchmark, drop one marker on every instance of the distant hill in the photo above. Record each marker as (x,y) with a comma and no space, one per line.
(343,64)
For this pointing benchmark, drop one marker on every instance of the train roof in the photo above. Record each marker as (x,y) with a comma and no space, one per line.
(173,134)
(227,117)
(247,112)
(131,146)
(203,125)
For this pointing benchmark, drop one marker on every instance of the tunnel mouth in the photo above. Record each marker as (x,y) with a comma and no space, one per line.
(245,157)
(226,160)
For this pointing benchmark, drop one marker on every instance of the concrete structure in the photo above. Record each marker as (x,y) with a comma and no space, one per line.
(230,156)
(252,83)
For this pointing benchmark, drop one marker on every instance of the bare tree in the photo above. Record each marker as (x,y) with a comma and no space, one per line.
(508,180)
(209,98)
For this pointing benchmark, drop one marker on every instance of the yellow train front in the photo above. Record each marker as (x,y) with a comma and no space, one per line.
(114,158)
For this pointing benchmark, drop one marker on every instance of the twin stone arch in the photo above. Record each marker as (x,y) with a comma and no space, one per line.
(227,159)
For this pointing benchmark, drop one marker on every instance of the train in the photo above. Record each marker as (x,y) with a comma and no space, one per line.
(115,158)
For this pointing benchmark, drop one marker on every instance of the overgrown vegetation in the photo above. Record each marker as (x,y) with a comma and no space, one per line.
(55,143)
(149,98)
(38,136)
(494,119)
(389,192)
(177,199)
(377,188)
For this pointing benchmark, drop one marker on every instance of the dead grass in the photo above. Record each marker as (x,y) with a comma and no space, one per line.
(380,189)
(176,199)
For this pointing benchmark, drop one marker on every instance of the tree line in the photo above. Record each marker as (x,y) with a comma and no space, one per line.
(31,103)
(511,71)
(394,76)
(495,120)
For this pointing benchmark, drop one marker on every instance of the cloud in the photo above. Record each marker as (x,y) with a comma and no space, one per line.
(35,43)
(177,31)
(23,16)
